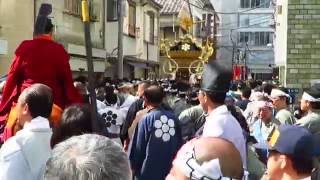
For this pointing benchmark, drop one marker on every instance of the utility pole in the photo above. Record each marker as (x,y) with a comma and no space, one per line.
(91,88)
(146,71)
(120,40)
(189,7)
(233,49)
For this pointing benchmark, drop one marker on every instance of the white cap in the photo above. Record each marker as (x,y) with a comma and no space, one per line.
(278,93)
(309,98)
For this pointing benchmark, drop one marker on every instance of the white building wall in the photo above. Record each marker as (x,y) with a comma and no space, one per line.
(16,24)
(281,33)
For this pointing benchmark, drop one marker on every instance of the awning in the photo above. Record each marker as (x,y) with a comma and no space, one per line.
(139,65)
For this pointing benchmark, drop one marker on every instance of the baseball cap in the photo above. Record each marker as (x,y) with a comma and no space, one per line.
(291,140)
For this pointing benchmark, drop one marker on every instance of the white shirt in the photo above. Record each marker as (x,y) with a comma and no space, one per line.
(127,103)
(100,105)
(113,119)
(24,155)
(220,123)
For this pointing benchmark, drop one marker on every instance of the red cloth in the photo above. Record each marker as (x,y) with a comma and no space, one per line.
(236,72)
(40,60)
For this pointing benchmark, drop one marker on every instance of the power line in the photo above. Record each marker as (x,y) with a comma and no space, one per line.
(234,22)
(251,25)
(255,20)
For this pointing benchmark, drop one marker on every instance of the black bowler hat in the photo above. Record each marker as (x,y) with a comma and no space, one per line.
(42,19)
(216,78)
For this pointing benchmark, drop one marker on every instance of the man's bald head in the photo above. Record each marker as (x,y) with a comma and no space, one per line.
(39,99)
(211,158)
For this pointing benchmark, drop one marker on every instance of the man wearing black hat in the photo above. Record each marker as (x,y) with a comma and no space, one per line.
(220,122)
(310,105)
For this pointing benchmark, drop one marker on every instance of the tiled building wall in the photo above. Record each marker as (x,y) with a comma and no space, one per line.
(303,44)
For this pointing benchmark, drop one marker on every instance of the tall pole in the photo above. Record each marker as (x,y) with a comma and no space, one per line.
(191,16)
(146,72)
(92,93)
(120,39)
(189,7)
(233,48)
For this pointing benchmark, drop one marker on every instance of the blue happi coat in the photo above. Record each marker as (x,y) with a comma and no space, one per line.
(156,141)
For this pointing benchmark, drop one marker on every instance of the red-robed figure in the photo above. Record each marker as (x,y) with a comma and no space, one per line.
(40,60)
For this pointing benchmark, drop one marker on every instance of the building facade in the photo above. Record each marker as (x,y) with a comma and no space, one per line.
(171,28)
(14,27)
(68,30)
(245,36)
(141,24)
(298,42)
(140,41)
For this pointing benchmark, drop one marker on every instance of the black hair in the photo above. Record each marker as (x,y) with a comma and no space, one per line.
(241,85)
(302,165)
(246,92)
(81,79)
(145,84)
(233,86)
(76,120)
(154,94)
(39,99)
(267,88)
(110,96)
(315,105)
(259,82)
(48,27)
(216,97)
(252,84)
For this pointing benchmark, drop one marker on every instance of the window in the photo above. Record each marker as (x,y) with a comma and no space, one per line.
(256,38)
(207,24)
(73,6)
(255,3)
(244,37)
(198,27)
(279,9)
(132,19)
(149,27)
(112,10)
(245,4)
(255,20)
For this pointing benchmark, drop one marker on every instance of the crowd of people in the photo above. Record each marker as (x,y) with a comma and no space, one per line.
(203,129)
(165,129)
